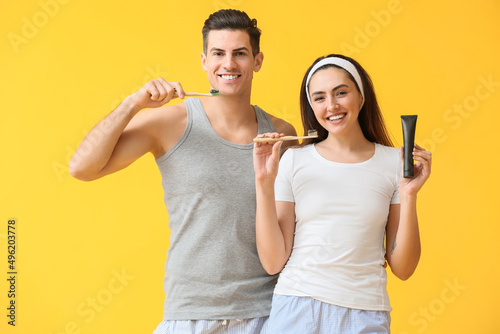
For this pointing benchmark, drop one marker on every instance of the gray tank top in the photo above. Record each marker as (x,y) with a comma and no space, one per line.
(212,269)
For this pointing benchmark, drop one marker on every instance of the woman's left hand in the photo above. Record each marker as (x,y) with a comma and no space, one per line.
(422,171)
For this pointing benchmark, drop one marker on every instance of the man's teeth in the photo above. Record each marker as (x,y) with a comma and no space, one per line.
(334,118)
(229,77)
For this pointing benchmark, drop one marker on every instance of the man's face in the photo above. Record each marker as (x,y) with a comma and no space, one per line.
(229,62)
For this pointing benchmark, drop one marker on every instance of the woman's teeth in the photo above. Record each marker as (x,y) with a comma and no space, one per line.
(336,117)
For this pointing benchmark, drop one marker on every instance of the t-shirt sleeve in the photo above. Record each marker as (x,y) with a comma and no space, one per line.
(283,184)
(397,178)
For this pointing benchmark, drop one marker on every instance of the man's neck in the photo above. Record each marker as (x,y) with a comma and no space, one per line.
(231,110)
(233,118)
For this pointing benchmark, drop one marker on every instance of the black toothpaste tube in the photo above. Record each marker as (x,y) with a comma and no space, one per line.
(409,124)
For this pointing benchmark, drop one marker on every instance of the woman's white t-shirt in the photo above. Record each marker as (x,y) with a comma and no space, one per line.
(341,213)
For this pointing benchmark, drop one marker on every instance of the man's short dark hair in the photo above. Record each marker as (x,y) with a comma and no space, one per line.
(232,19)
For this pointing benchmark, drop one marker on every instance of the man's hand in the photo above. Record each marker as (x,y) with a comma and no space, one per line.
(155,94)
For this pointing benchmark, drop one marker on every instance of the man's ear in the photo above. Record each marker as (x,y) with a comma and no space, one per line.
(204,61)
(259,58)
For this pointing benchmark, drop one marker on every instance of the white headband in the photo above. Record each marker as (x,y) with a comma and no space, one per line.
(342,63)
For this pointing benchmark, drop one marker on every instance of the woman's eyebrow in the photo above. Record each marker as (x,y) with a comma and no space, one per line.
(335,88)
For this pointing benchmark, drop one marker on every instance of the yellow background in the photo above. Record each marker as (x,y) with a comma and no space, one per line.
(64,65)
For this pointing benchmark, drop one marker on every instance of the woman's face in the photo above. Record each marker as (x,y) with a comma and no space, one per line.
(335,100)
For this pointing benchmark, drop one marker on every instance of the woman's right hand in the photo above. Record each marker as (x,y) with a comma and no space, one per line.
(266,157)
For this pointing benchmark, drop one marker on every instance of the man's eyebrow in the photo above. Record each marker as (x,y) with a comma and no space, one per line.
(243,48)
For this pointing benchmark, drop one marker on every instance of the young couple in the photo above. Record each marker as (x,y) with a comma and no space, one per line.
(237,220)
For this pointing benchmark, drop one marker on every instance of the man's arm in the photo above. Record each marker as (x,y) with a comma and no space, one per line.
(123,136)
(281,126)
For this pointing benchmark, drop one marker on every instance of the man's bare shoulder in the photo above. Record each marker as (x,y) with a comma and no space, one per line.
(170,114)
(161,119)
(282,126)
(163,125)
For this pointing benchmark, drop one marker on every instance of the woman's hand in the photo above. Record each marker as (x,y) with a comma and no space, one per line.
(266,157)
(422,171)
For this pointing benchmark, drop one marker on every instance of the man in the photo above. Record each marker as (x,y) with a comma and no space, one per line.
(203,148)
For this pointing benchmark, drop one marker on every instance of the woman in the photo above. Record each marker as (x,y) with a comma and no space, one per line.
(322,219)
